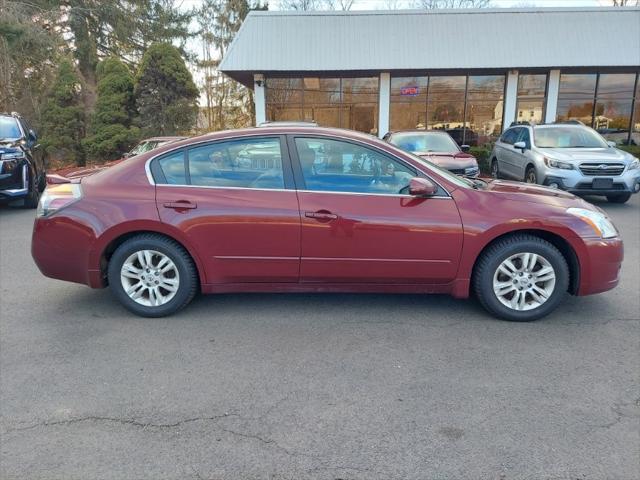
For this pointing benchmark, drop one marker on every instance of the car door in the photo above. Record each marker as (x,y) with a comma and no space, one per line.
(359,225)
(235,201)
(507,157)
(521,158)
(35,151)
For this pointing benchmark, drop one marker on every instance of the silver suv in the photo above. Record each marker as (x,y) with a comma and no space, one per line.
(568,156)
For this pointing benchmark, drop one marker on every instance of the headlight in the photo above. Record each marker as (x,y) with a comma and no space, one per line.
(12,155)
(596,220)
(550,162)
(56,197)
(634,165)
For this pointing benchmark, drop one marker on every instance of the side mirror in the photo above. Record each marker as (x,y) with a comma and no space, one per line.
(32,136)
(422,187)
(611,143)
(465,148)
(520,145)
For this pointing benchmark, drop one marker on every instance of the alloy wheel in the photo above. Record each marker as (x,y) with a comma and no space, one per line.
(150,278)
(524,281)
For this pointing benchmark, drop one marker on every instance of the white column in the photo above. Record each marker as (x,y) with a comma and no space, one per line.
(259,98)
(510,99)
(383,102)
(551,109)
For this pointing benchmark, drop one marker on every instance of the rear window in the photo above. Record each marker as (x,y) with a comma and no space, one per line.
(243,163)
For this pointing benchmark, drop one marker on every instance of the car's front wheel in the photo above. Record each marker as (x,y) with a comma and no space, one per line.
(530,176)
(152,275)
(619,198)
(521,278)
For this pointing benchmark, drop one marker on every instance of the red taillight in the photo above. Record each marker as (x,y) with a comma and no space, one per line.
(59,196)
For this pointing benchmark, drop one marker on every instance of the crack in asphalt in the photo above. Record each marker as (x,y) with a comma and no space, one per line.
(123,421)
(620,413)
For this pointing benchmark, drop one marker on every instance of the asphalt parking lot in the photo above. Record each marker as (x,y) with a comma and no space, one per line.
(301,386)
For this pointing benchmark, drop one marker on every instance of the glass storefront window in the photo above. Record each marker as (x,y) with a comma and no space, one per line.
(445,105)
(332,102)
(485,96)
(408,109)
(532,90)
(438,103)
(576,96)
(284,99)
(614,100)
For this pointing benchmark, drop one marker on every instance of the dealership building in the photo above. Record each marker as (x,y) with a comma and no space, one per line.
(469,72)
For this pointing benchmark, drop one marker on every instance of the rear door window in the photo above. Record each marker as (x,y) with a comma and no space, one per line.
(244,163)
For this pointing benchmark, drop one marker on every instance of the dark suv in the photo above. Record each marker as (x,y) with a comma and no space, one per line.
(22,167)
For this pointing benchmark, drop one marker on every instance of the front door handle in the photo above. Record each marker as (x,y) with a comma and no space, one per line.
(180,205)
(321,215)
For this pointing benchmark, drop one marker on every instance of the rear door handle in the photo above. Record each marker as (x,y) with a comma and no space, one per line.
(321,215)
(180,205)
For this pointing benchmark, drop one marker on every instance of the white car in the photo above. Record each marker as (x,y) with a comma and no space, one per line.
(568,156)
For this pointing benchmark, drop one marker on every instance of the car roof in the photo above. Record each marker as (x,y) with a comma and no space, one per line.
(284,130)
(162,139)
(421,130)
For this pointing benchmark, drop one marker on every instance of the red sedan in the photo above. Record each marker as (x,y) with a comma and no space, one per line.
(309,209)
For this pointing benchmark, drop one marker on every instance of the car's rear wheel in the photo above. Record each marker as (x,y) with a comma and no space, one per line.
(152,275)
(495,168)
(521,278)
(619,198)
(530,176)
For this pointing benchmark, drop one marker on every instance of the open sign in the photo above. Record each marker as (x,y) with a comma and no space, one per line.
(411,91)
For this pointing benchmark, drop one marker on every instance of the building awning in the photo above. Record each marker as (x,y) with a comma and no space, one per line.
(279,42)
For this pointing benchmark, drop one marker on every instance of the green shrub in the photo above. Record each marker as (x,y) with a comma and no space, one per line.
(482,155)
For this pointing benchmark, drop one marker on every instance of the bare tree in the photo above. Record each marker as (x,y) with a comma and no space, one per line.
(626,3)
(434,4)
(303,5)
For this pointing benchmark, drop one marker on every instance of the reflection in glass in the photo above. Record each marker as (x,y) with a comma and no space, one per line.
(332,102)
(576,96)
(532,91)
(484,109)
(408,108)
(613,105)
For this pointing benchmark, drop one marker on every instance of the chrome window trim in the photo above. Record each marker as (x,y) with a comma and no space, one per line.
(399,195)
(261,133)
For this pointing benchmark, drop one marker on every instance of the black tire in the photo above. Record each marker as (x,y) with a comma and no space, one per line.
(33,197)
(188,275)
(530,175)
(495,169)
(619,198)
(491,259)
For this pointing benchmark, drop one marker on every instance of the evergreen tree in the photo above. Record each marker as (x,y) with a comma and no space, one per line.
(165,93)
(63,117)
(111,131)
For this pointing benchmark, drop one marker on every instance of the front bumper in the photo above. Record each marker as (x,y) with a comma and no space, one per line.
(573,181)
(600,265)
(14,180)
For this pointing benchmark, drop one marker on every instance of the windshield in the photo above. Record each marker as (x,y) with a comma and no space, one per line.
(568,137)
(9,129)
(424,142)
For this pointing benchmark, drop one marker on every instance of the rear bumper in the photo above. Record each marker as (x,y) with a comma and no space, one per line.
(600,265)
